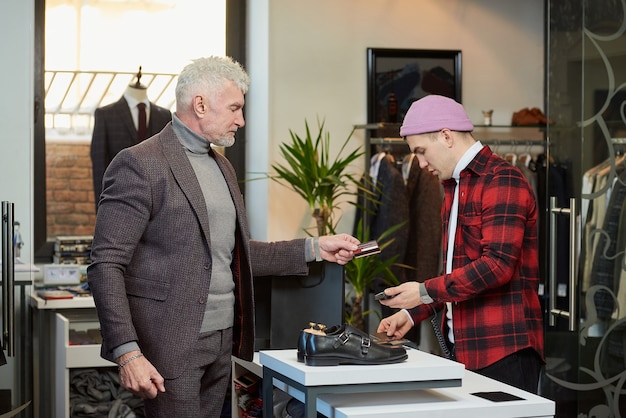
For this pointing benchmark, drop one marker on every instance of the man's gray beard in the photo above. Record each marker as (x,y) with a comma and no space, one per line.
(224,142)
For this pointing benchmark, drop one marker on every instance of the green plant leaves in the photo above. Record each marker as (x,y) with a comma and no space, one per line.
(319,179)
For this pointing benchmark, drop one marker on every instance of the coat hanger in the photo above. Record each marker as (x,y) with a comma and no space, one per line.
(525,157)
(511,157)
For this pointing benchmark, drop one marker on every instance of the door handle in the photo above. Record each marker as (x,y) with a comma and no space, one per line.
(8,279)
(573,273)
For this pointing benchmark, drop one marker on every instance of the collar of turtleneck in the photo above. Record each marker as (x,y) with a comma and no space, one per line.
(188,138)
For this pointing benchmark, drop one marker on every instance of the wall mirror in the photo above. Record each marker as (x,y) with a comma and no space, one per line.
(398,77)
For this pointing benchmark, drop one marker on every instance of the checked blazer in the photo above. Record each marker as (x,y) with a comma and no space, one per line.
(151,255)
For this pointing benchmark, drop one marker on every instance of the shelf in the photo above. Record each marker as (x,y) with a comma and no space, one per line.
(496,135)
(383,125)
(76,356)
(77,302)
(512,126)
(61,325)
(239,368)
(67,356)
(396,141)
(380,125)
(389,133)
(248,366)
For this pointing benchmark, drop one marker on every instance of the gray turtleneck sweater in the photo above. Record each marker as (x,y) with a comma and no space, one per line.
(219,312)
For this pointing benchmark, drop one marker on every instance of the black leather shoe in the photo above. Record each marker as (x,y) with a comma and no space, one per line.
(314,328)
(334,330)
(349,346)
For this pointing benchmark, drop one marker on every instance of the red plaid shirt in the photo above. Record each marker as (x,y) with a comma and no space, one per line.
(495,270)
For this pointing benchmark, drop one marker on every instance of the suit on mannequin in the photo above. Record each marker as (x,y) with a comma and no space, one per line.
(115,128)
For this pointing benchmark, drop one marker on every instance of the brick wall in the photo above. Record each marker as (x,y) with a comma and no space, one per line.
(70,201)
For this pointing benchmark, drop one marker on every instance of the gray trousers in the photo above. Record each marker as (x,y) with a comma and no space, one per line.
(200,390)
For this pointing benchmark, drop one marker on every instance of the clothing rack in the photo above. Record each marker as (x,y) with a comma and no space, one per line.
(390,141)
(520,142)
(511,145)
(515,142)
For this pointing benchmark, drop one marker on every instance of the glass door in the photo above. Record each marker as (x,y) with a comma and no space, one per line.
(585,212)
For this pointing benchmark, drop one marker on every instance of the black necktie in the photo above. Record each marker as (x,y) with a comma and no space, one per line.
(142,130)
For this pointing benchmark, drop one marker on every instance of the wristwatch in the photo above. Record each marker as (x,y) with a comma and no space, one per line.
(424,297)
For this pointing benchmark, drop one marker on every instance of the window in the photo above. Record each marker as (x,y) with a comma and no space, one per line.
(93,49)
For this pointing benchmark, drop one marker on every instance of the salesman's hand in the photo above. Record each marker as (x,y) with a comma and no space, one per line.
(396,325)
(140,377)
(338,248)
(404,296)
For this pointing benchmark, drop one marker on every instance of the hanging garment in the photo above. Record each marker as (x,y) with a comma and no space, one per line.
(529,173)
(389,209)
(423,251)
(620,263)
(596,212)
(603,270)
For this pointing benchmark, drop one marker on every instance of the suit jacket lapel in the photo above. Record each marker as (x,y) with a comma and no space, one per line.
(185,176)
(188,182)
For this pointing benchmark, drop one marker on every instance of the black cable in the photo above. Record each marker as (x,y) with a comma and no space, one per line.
(435,320)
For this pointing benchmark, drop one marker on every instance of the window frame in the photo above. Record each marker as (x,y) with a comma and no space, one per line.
(42,244)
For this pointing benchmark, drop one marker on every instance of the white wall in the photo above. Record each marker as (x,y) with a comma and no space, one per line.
(313,63)
(308,59)
(16,112)
(16,120)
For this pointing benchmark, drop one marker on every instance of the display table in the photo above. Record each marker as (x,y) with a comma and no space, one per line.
(444,388)
(457,402)
(419,371)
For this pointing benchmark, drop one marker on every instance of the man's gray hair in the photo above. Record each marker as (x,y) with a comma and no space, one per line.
(208,75)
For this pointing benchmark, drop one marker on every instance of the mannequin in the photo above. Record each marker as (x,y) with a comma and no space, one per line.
(115,128)
(139,94)
(137,91)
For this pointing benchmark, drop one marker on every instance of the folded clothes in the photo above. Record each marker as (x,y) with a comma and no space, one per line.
(98,393)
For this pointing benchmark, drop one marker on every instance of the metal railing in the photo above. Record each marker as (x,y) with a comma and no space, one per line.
(73,96)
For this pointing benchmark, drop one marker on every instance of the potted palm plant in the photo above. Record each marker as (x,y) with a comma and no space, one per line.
(323,182)
(361,272)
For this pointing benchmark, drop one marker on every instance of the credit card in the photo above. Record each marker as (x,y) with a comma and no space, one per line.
(367,248)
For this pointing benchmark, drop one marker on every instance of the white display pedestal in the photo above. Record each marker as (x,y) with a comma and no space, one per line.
(457,402)
(423,386)
(419,371)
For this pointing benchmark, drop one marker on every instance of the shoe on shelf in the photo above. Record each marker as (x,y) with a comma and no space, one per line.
(314,328)
(530,117)
(321,329)
(348,345)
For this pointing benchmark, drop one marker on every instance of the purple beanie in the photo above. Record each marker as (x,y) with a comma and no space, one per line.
(433,113)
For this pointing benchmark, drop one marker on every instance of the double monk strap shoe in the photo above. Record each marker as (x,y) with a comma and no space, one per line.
(314,328)
(349,346)
(321,329)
